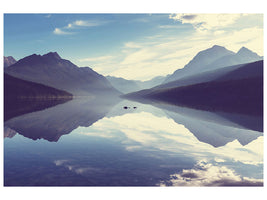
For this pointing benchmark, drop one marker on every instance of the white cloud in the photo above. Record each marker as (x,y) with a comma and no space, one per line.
(207,174)
(58,31)
(60,162)
(48,16)
(76,25)
(206,21)
(85,23)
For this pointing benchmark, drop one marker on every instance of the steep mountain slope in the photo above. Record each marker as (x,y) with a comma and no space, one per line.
(244,55)
(203,58)
(53,71)
(22,96)
(9,60)
(214,58)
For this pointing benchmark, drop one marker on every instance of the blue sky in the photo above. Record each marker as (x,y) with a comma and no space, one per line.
(132,46)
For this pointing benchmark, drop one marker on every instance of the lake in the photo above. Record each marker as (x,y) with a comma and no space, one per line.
(97,142)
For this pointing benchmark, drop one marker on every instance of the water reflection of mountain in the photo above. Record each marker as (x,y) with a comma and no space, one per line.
(50,124)
(216,129)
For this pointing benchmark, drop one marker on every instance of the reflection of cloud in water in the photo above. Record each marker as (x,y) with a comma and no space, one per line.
(139,131)
(75,168)
(60,162)
(207,174)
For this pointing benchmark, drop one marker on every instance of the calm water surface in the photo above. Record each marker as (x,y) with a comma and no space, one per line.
(92,142)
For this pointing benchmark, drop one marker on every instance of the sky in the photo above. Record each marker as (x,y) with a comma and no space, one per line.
(132,46)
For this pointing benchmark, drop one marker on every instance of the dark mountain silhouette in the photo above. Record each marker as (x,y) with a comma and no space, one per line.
(22,96)
(50,124)
(9,60)
(126,86)
(214,58)
(51,70)
(239,91)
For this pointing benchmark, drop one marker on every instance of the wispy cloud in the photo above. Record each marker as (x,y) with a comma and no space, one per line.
(78,24)
(58,31)
(206,21)
(76,168)
(48,16)
(60,162)
(85,23)
(207,174)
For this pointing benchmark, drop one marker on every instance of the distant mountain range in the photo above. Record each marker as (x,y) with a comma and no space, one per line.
(9,60)
(51,70)
(126,86)
(213,58)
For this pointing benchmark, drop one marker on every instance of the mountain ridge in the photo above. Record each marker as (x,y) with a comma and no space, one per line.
(213,58)
(9,60)
(51,70)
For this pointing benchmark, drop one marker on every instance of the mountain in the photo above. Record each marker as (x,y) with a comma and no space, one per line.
(152,82)
(203,77)
(51,70)
(214,58)
(127,86)
(244,55)
(22,96)
(123,85)
(240,90)
(203,58)
(9,61)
